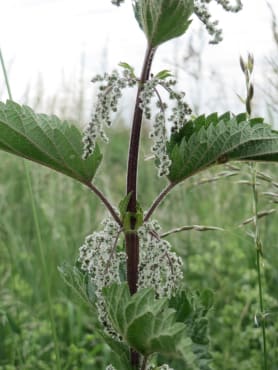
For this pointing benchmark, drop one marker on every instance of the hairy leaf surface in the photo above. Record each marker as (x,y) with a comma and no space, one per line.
(145,323)
(211,140)
(46,140)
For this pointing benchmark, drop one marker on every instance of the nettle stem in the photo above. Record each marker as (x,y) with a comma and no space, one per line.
(132,241)
(135,133)
(131,238)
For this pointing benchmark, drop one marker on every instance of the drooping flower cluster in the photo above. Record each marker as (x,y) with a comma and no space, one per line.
(101,260)
(159,267)
(110,91)
(202,12)
(158,133)
(177,119)
(181,110)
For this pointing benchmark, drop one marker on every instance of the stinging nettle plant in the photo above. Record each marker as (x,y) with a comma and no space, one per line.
(128,271)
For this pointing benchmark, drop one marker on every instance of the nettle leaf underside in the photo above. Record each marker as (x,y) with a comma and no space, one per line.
(163,20)
(145,323)
(211,140)
(46,140)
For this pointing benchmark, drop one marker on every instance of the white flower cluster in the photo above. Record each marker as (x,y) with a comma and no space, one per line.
(202,12)
(110,91)
(99,258)
(159,267)
(177,119)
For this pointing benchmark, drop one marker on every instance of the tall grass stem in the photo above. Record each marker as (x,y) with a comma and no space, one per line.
(5,75)
(258,245)
(247,69)
(38,233)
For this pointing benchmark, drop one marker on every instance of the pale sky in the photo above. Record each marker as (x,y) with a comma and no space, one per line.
(47,39)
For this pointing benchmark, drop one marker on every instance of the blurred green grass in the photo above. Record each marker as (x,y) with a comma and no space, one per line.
(222,261)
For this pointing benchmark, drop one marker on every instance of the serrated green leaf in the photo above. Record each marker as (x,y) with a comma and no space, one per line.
(116,297)
(186,354)
(46,140)
(206,141)
(120,357)
(164,336)
(163,20)
(145,323)
(192,309)
(182,306)
(79,282)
